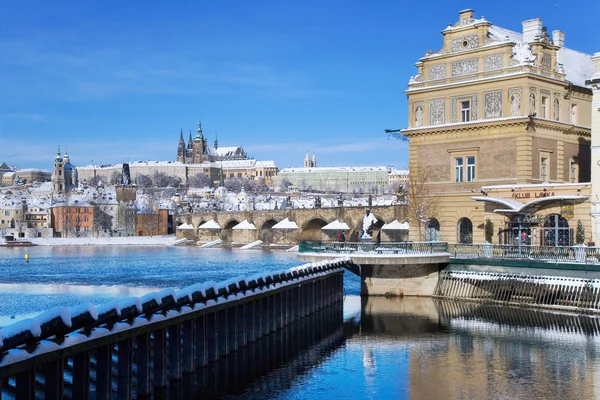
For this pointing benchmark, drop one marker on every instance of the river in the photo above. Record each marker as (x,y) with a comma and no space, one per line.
(388,348)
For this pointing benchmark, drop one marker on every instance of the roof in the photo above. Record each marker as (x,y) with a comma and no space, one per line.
(516,207)
(185,226)
(395,226)
(333,169)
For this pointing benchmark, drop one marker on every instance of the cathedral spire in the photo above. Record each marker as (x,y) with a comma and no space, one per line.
(190,141)
(181,135)
(216,141)
(199,135)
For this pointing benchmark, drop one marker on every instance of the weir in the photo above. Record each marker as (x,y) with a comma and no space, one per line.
(168,340)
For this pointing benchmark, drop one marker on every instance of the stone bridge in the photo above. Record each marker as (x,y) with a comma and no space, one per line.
(309,221)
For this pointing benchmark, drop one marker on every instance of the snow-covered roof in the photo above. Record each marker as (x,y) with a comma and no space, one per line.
(333,169)
(395,225)
(185,226)
(286,224)
(210,224)
(33,170)
(244,225)
(228,151)
(336,225)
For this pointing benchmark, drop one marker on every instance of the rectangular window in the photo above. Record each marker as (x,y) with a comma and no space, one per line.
(544,168)
(458,169)
(470,169)
(465,111)
(544,107)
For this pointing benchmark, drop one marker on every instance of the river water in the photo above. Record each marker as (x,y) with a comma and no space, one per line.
(385,348)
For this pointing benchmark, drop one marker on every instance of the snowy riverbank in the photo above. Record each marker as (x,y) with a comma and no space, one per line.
(106,241)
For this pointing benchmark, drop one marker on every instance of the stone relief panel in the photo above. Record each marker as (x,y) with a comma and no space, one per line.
(493,61)
(418,107)
(455,113)
(492,104)
(437,112)
(437,72)
(515,96)
(546,62)
(465,43)
(464,67)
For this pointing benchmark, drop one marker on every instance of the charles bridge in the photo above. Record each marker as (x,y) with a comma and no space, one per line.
(309,221)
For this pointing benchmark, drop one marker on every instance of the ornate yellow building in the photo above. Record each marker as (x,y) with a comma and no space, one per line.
(499,113)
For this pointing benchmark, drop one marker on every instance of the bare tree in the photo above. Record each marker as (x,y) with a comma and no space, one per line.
(422,201)
(285,184)
(95,180)
(162,180)
(116,178)
(143,180)
(234,184)
(200,181)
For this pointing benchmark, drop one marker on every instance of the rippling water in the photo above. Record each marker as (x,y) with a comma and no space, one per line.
(383,348)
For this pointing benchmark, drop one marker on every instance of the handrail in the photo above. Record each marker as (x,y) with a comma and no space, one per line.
(572,254)
(333,247)
(61,321)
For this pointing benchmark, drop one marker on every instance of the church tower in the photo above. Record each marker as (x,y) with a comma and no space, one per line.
(181,148)
(216,141)
(58,178)
(199,146)
(313,163)
(306,160)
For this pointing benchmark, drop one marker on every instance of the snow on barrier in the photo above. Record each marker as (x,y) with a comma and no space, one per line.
(58,323)
(534,290)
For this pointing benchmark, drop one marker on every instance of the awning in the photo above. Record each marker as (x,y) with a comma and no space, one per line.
(210,224)
(286,224)
(395,226)
(336,226)
(244,225)
(515,207)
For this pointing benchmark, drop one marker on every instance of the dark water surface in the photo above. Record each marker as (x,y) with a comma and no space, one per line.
(380,349)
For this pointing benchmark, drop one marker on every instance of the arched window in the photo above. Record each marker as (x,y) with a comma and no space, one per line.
(556,231)
(465,230)
(432,230)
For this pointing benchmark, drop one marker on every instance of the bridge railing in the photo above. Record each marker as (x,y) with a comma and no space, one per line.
(392,248)
(177,330)
(567,254)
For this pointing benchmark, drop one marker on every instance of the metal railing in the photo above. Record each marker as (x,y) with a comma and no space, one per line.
(392,248)
(568,254)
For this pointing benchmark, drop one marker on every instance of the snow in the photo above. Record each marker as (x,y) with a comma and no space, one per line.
(211,224)
(58,311)
(244,225)
(395,225)
(106,241)
(30,324)
(82,309)
(336,225)
(578,66)
(286,224)
(185,226)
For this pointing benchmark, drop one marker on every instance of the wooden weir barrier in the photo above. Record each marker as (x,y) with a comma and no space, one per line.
(133,348)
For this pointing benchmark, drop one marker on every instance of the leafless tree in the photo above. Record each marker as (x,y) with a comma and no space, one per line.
(234,184)
(200,181)
(116,178)
(143,180)
(422,201)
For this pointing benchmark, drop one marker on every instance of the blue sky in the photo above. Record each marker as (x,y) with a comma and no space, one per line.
(115,80)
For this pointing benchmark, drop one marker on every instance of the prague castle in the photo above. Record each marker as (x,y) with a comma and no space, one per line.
(194,158)
(499,128)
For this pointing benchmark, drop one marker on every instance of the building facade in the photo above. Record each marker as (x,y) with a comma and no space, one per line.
(594,83)
(492,108)
(72,219)
(335,179)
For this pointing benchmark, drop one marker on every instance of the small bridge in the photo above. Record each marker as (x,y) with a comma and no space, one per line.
(137,347)
(399,269)
(309,221)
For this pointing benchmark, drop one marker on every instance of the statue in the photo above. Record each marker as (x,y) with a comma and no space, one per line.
(515,105)
(556,110)
(419,116)
(368,220)
(531,103)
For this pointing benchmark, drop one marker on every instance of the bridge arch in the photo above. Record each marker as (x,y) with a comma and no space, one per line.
(266,232)
(227,232)
(311,230)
